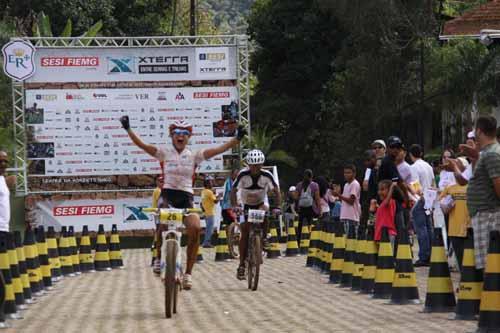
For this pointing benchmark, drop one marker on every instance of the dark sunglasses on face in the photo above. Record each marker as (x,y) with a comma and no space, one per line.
(378,147)
(179,131)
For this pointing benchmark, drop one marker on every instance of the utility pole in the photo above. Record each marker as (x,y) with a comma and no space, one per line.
(192,15)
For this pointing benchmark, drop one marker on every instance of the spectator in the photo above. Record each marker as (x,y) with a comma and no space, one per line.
(228,216)
(350,209)
(421,221)
(404,169)
(291,200)
(335,203)
(446,178)
(386,212)
(463,171)
(388,169)
(308,193)
(483,192)
(208,201)
(370,163)
(379,148)
(324,195)
(5,182)
(459,220)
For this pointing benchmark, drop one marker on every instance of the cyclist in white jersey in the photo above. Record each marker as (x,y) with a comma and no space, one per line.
(253,184)
(179,165)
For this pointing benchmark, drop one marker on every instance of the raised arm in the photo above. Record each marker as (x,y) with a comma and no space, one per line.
(211,152)
(150,149)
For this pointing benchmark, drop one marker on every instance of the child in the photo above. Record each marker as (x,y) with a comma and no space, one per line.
(386,212)
(350,210)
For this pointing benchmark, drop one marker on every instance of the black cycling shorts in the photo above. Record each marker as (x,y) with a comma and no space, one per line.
(176,199)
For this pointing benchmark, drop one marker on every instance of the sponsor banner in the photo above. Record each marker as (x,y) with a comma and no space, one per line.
(76,132)
(129,64)
(18,63)
(125,213)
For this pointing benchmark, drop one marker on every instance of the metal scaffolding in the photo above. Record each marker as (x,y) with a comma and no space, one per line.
(240,42)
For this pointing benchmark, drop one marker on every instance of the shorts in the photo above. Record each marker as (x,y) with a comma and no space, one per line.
(483,223)
(176,199)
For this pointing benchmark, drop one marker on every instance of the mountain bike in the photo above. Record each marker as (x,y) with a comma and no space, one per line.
(171,227)
(255,247)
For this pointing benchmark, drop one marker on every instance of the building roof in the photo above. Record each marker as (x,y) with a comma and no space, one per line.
(485,16)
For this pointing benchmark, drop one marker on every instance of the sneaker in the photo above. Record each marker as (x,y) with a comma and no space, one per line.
(187,282)
(156,266)
(240,273)
(420,263)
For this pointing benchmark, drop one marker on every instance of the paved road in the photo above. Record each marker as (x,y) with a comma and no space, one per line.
(291,298)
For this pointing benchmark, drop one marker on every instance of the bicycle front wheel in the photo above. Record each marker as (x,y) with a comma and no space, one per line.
(170,282)
(255,255)
(233,237)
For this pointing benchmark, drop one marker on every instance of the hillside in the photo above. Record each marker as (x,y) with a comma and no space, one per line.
(229,15)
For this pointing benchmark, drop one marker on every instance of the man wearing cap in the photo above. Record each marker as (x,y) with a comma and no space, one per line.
(291,199)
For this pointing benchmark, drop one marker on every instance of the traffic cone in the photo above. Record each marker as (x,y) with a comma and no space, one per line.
(370,263)
(313,246)
(28,298)
(33,263)
(115,252)
(296,226)
(328,246)
(43,257)
(471,283)
(74,250)
(53,252)
(274,248)
(404,286)
(321,262)
(292,248)
(101,258)
(348,268)
(384,276)
(440,296)
(85,252)
(359,259)
(304,240)
(65,253)
(338,254)
(17,284)
(10,307)
(221,249)
(489,310)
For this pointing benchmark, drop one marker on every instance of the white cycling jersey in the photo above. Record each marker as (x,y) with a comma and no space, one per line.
(179,168)
(253,190)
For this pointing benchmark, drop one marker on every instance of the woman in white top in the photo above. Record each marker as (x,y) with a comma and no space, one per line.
(446,178)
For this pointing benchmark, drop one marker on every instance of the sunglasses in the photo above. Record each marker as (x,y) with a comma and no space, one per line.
(378,147)
(179,131)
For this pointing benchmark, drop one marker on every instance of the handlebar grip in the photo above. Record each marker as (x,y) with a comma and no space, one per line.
(193,210)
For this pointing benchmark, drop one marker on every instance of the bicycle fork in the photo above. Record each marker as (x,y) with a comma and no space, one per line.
(172,236)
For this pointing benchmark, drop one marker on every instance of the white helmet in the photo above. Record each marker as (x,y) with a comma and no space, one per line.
(182,125)
(255,157)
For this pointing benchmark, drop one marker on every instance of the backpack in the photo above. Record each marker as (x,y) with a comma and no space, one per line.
(306,199)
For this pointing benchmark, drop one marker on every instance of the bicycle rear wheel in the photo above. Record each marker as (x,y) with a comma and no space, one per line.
(250,261)
(257,257)
(170,283)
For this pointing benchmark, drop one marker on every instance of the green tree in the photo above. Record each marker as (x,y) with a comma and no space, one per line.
(263,139)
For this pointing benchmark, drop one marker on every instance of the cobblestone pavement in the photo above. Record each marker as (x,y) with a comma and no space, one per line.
(291,298)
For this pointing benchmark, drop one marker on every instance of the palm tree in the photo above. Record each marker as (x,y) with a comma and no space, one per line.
(263,138)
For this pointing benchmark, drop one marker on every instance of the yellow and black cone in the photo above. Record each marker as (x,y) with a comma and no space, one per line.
(14,272)
(370,262)
(312,253)
(404,286)
(321,261)
(304,239)
(296,226)
(339,246)
(292,248)
(384,276)
(33,263)
(440,296)
(22,268)
(489,310)
(115,252)
(471,283)
(359,259)
(85,252)
(74,250)
(101,258)
(43,257)
(274,245)
(222,249)
(65,253)
(348,268)
(329,239)
(10,307)
(53,252)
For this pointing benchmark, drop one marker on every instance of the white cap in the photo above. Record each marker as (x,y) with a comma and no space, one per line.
(471,135)
(380,142)
(292,189)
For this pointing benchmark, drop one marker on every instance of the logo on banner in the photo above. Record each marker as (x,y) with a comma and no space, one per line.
(18,60)
(47,98)
(133,213)
(179,97)
(163,64)
(69,61)
(120,65)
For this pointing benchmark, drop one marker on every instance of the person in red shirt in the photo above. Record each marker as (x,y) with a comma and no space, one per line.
(386,212)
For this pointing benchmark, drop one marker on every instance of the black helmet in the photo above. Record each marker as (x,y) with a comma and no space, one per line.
(394,142)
